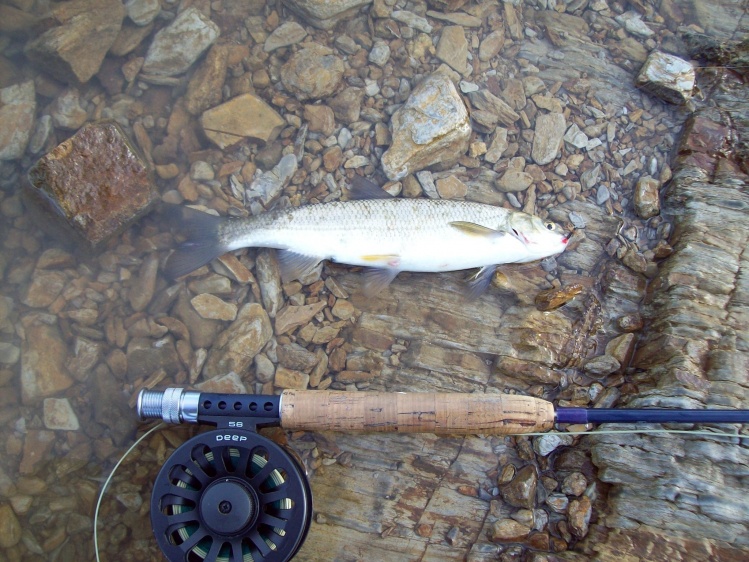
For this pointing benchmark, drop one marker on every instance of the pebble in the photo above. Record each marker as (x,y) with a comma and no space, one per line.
(508,531)
(292,317)
(579,512)
(544,445)
(313,72)
(380,53)
(17,109)
(58,414)
(514,181)
(451,188)
(213,308)
(244,117)
(601,366)
(287,378)
(10,527)
(521,490)
(286,34)
(647,200)
(574,484)
(452,48)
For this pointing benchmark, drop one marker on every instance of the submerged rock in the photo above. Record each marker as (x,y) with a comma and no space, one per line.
(548,135)
(312,73)
(431,127)
(95,181)
(325,14)
(246,116)
(176,47)
(17,110)
(667,77)
(73,50)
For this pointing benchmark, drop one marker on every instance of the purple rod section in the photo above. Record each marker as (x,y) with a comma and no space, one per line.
(654,415)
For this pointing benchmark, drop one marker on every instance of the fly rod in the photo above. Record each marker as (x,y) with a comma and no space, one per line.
(232,494)
(404,412)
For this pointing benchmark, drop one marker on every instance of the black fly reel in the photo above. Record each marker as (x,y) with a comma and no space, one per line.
(231,496)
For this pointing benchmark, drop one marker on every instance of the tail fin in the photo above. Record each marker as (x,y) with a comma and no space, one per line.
(204,242)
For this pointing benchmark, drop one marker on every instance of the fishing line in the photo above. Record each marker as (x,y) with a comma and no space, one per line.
(109,480)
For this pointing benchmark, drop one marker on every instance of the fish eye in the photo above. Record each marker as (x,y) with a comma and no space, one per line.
(549,225)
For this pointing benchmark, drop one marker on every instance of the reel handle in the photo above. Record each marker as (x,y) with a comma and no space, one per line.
(415,412)
(320,410)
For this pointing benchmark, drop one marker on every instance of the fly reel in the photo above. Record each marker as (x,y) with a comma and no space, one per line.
(230,495)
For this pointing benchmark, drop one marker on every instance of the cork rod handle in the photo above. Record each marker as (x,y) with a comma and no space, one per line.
(443,413)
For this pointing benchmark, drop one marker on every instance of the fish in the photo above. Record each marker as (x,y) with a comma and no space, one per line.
(382,233)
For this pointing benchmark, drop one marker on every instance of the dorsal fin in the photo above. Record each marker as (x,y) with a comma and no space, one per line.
(363,188)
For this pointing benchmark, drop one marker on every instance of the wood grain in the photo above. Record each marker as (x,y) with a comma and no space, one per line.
(412,412)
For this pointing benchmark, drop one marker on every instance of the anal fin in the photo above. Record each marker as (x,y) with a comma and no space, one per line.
(377,280)
(294,265)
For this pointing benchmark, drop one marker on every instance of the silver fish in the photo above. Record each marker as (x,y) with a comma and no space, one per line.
(386,234)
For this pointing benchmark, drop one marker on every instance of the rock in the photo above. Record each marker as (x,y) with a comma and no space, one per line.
(288,33)
(146,356)
(287,378)
(294,356)
(264,368)
(601,366)
(647,200)
(45,287)
(66,111)
(17,111)
(236,346)
(484,100)
(44,359)
(229,383)
(9,353)
(451,188)
(578,514)
(143,287)
(574,484)
(498,145)
(36,446)
(83,32)
(547,138)
(521,490)
(269,279)
(129,38)
(202,331)
(528,371)
(453,48)
(343,309)
(667,77)
(10,527)
(176,47)
(620,348)
(58,414)
(558,502)
(291,317)
(268,185)
(491,44)
(544,445)
(97,201)
(246,116)
(431,127)
(552,299)
(513,181)
(211,307)
(380,53)
(312,73)
(142,12)
(412,20)
(634,24)
(576,137)
(325,14)
(508,530)
(320,118)
(346,105)
(206,85)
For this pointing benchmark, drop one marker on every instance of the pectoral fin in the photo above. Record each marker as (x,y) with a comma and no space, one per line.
(473,229)
(376,280)
(480,281)
(293,265)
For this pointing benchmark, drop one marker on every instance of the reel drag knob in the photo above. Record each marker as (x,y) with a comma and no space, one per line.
(230,496)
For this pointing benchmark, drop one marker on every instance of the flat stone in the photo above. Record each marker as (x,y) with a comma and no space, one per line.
(667,77)
(97,201)
(647,199)
(312,73)
(508,531)
(17,111)
(206,84)
(325,14)
(176,47)
(547,444)
(453,48)
(286,34)
(142,12)
(574,484)
(412,20)
(484,100)
(144,285)
(578,514)
(145,356)
(9,353)
(432,126)
(601,366)
(576,137)
(288,378)
(44,358)
(380,53)
(245,116)
(268,185)
(235,347)
(343,309)
(294,356)
(58,414)
(320,118)
(36,445)
(621,347)
(347,105)
(547,139)
(44,288)
(514,181)
(83,32)
(211,307)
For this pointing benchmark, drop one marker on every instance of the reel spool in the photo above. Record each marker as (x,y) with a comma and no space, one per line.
(230,496)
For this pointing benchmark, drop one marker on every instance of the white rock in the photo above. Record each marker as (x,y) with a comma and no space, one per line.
(289,33)
(667,77)
(17,110)
(58,414)
(549,131)
(576,137)
(176,47)
(380,53)
(412,20)
(142,12)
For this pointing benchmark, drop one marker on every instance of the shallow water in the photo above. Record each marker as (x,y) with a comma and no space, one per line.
(82,333)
